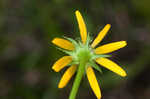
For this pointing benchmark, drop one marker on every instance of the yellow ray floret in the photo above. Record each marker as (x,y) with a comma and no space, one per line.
(93,82)
(111,66)
(63,43)
(61,63)
(101,35)
(107,48)
(67,76)
(82,26)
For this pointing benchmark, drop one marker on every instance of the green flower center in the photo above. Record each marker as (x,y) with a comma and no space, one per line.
(82,52)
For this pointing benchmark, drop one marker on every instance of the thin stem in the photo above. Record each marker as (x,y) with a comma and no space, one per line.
(77,81)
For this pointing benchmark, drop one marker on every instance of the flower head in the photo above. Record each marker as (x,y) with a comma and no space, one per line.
(90,54)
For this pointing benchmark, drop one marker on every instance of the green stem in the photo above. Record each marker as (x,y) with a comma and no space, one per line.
(77,81)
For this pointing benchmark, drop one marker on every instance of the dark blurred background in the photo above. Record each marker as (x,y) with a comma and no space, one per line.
(26,53)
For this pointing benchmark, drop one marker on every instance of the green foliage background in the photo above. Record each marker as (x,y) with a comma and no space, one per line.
(27,54)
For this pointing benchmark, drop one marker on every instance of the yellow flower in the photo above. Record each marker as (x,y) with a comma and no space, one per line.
(79,51)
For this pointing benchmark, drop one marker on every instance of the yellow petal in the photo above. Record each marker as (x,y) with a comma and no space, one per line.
(63,43)
(93,82)
(82,26)
(111,66)
(67,76)
(101,35)
(61,63)
(107,48)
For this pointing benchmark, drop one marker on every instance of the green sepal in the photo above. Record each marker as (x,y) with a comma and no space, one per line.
(100,56)
(65,51)
(88,40)
(74,62)
(72,41)
(95,66)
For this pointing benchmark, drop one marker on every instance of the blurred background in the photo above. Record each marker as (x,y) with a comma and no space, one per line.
(27,54)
